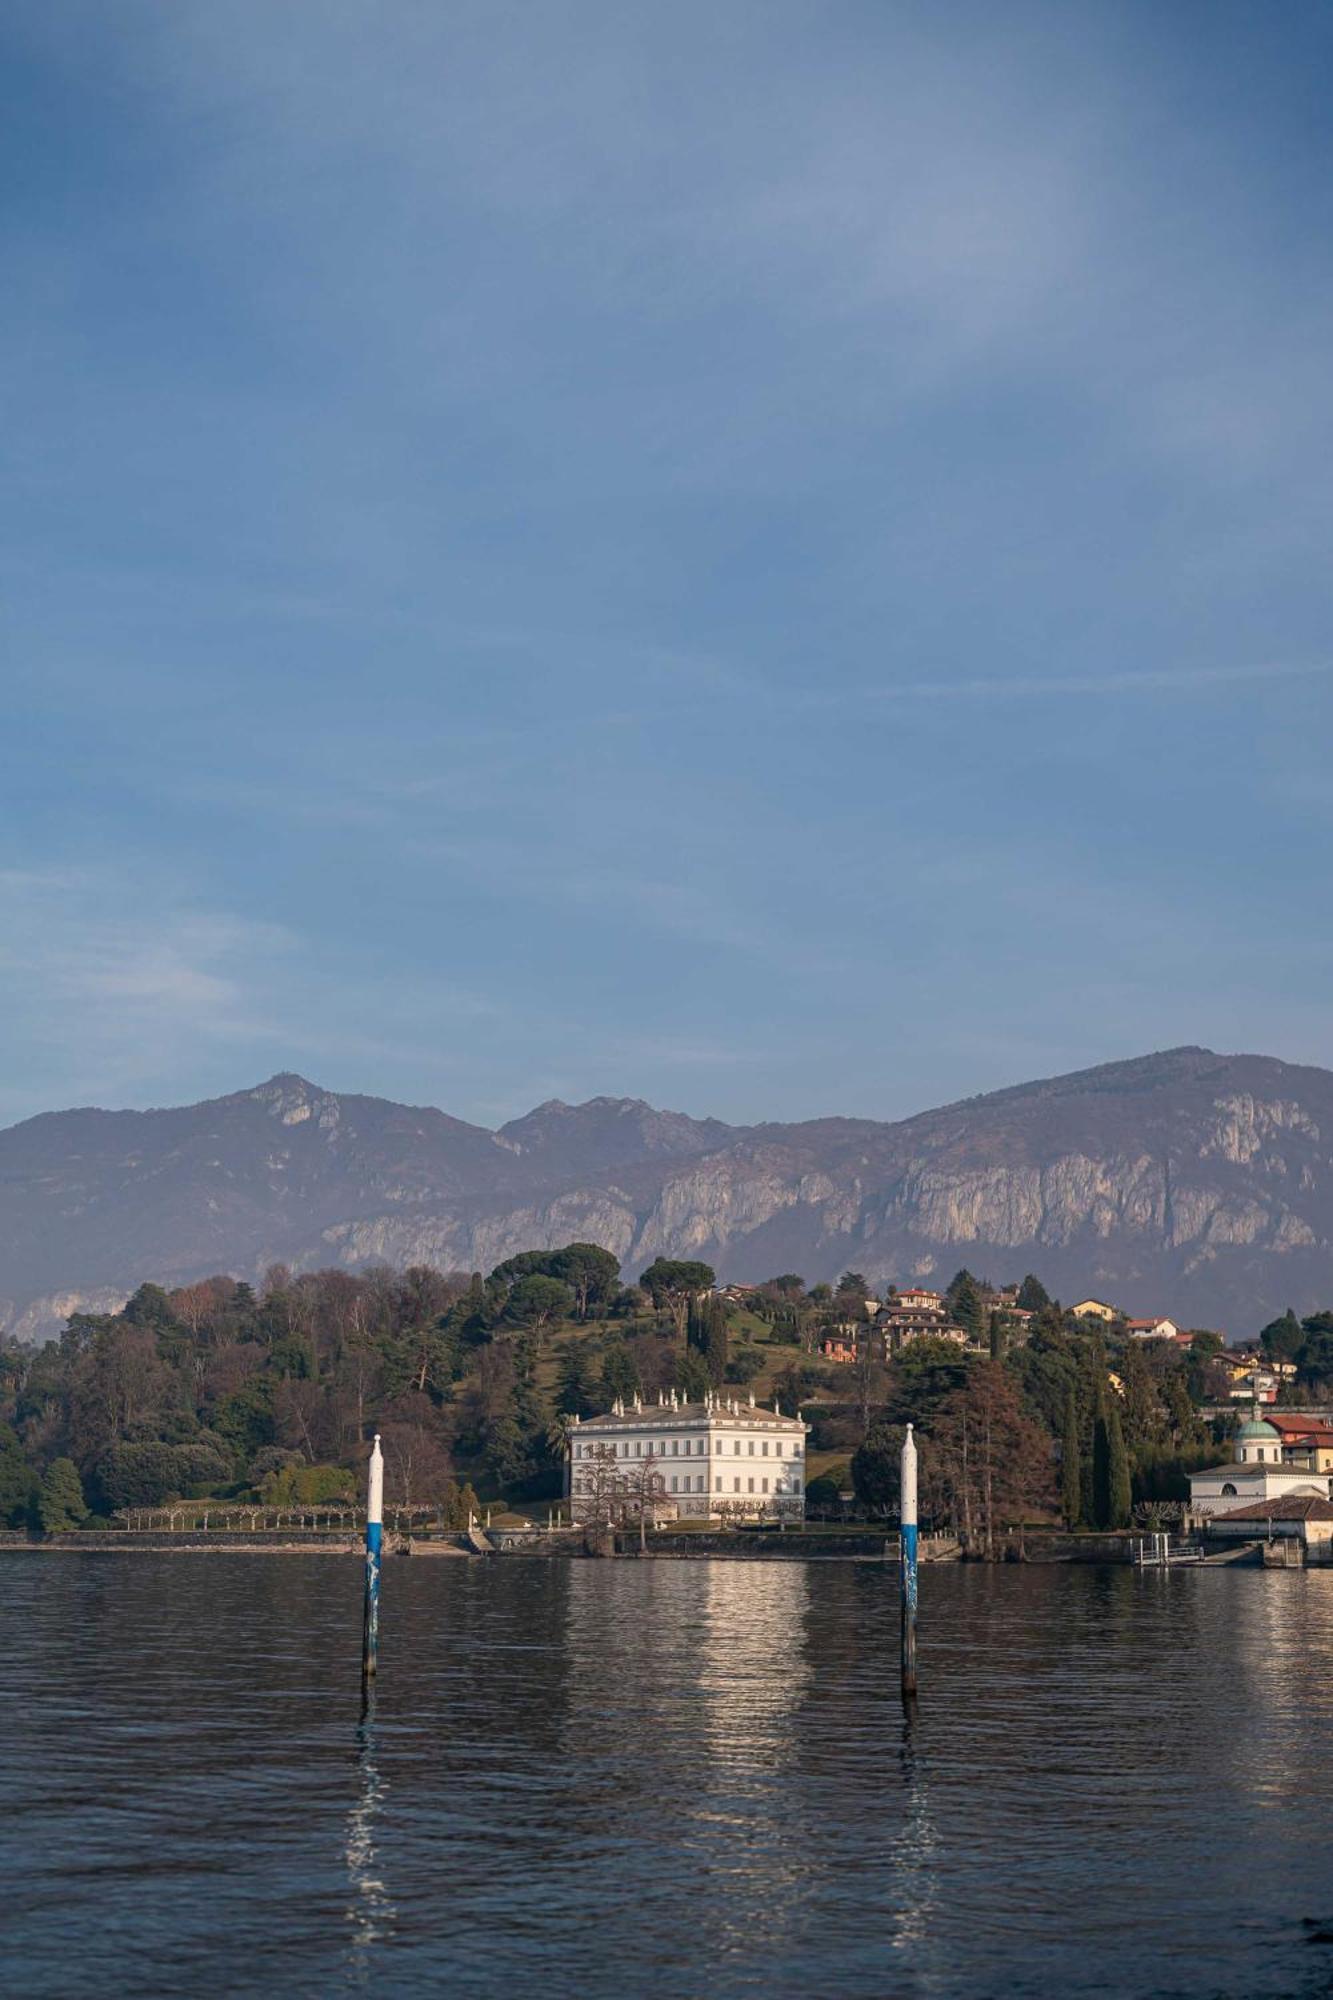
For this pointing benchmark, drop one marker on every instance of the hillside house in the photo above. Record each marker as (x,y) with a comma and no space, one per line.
(898,1324)
(914,1298)
(1094,1309)
(1152,1329)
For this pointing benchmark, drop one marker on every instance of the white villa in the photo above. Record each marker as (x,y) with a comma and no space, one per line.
(1266,1467)
(719,1458)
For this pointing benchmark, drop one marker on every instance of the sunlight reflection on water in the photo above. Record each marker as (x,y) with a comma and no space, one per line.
(670,1778)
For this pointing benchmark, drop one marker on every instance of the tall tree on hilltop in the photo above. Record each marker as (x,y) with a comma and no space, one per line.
(673,1282)
(534,1302)
(1033,1296)
(591,1273)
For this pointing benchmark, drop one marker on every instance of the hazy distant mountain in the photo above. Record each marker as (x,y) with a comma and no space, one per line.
(1185,1182)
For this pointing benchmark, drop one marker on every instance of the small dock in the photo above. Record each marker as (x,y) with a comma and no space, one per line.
(1161,1552)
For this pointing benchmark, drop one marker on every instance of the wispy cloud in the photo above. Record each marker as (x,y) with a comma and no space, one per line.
(112,981)
(1147,680)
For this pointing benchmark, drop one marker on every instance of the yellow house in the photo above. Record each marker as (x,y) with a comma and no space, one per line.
(1093,1309)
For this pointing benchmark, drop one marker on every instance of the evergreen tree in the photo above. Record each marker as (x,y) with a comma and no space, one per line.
(18,1482)
(620,1374)
(1033,1296)
(716,1341)
(1071,1467)
(692,1377)
(996,1337)
(578,1384)
(61,1503)
(1101,1456)
(1117,1472)
(964,1302)
(1282,1339)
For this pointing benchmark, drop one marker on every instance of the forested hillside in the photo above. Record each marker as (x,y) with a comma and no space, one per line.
(226,1389)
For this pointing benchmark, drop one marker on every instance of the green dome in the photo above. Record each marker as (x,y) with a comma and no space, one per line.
(1255,1429)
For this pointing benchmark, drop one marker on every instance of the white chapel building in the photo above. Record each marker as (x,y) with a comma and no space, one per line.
(721,1458)
(1264,1468)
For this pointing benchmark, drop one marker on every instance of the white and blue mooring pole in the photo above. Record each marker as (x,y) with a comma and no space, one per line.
(370,1630)
(907,1561)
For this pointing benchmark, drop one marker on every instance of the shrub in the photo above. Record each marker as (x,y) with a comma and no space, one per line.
(144,1475)
(307,1485)
(745,1364)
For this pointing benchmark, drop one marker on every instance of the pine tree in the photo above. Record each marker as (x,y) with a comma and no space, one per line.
(1118,1496)
(1071,1468)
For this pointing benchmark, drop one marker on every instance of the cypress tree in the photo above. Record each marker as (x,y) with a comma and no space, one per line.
(1118,1497)
(1071,1467)
(716,1341)
(1101,1458)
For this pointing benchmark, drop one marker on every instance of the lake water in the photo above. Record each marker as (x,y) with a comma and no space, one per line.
(674,1778)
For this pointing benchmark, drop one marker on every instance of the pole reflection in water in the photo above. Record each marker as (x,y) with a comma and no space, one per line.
(370,1911)
(914,1857)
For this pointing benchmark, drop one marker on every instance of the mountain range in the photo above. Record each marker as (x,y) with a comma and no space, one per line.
(1184,1182)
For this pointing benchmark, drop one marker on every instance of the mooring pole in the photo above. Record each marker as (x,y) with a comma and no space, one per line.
(370,1629)
(907,1562)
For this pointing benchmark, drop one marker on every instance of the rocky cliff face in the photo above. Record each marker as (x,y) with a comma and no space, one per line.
(1185,1182)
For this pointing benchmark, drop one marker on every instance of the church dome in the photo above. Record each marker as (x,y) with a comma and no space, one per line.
(1256,1431)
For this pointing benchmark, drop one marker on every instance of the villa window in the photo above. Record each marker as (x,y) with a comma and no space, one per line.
(1228,1491)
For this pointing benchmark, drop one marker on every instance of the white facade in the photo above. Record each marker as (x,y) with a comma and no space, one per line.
(1223,1488)
(1263,1469)
(719,1458)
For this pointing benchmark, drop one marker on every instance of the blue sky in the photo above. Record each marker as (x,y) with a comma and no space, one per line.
(773,558)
